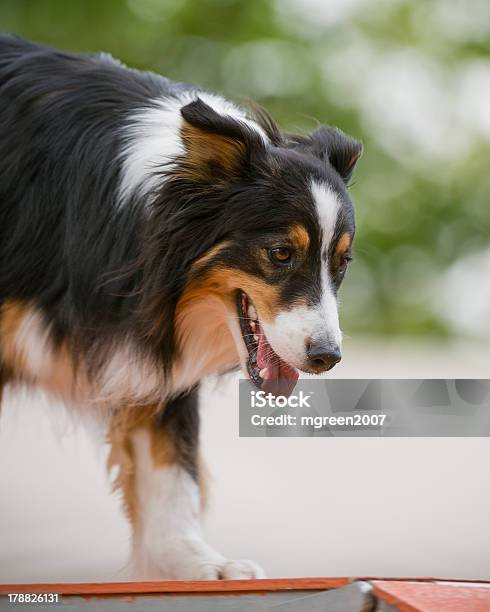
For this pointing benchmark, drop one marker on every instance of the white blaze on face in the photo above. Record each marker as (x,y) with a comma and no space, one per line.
(328,206)
(291,329)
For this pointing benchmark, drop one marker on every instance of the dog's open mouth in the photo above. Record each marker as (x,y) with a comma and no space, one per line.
(266,369)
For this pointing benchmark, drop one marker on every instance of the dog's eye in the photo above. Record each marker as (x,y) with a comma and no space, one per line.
(344,262)
(281,255)
(342,267)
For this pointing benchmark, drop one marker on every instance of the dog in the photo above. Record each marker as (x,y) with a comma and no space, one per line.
(153,234)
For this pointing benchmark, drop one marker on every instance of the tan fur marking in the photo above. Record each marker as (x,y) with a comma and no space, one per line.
(123,424)
(343,244)
(299,237)
(223,282)
(3,381)
(353,159)
(207,257)
(121,456)
(207,155)
(56,374)
(62,379)
(12,315)
(205,341)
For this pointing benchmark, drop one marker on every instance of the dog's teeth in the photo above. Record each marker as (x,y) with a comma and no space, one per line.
(263,372)
(252,325)
(252,313)
(256,338)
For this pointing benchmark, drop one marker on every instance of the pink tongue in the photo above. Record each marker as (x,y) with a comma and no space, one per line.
(279,377)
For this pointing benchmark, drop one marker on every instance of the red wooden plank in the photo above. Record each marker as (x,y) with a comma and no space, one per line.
(430,597)
(179,586)
(425,579)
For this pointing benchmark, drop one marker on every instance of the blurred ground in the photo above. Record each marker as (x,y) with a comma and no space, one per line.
(301,507)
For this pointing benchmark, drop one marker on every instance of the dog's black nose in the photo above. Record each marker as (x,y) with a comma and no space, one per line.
(322,356)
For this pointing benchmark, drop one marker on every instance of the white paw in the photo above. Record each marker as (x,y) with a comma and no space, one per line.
(230,570)
(190,558)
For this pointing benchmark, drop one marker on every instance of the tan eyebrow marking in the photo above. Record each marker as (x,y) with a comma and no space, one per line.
(343,244)
(299,237)
(207,257)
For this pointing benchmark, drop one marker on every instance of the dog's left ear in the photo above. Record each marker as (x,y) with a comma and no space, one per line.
(217,147)
(340,150)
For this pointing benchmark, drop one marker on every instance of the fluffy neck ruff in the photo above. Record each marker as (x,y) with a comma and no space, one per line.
(206,345)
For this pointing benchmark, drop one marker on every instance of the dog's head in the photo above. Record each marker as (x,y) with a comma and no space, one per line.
(268,223)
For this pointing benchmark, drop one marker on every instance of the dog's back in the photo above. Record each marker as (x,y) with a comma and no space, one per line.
(61,136)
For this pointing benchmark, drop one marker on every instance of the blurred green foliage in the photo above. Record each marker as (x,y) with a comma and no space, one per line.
(410,78)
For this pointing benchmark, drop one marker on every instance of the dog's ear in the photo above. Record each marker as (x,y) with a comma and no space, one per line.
(217,147)
(340,150)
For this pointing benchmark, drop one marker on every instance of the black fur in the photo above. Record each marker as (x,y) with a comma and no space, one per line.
(180,420)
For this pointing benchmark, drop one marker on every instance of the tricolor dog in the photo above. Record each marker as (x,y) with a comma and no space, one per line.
(153,234)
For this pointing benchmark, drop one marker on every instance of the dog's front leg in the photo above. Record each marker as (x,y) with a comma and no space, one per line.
(160,476)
